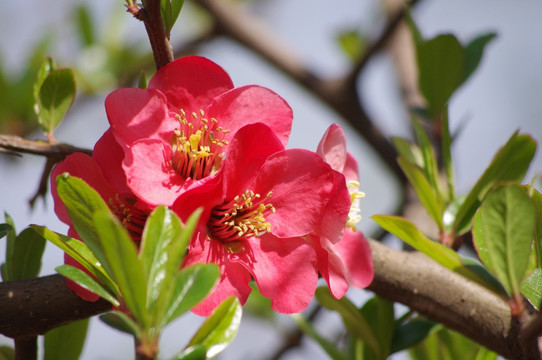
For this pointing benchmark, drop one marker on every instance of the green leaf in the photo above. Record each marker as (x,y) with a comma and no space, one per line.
(503,233)
(352,318)
(6,268)
(410,333)
(7,353)
(446,154)
(170,12)
(84,26)
(121,322)
(198,352)
(410,152)
(86,281)
(27,252)
(352,44)
(192,285)
(409,233)
(66,342)
(474,51)
(380,315)
(326,345)
(45,69)
(531,287)
(55,97)
(82,202)
(424,190)
(441,64)
(509,164)
(122,264)
(4,229)
(80,253)
(536,198)
(220,328)
(143,82)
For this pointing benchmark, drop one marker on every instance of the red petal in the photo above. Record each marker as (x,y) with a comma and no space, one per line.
(354,253)
(109,155)
(190,83)
(336,213)
(252,104)
(351,171)
(150,176)
(332,147)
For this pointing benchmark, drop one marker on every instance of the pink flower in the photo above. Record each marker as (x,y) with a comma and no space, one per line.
(344,255)
(175,133)
(256,214)
(103,172)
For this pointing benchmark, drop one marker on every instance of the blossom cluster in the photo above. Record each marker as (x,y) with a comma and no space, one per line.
(270,214)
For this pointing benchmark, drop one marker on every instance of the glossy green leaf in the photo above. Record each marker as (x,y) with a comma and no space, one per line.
(536,198)
(66,342)
(441,64)
(503,233)
(474,51)
(45,69)
(408,151)
(82,202)
(122,264)
(220,328)
(170,12)
(531,287)
(509,164)
(409,233)
(326,345)
(352,318)
(79,252)
(7,353)
(192,285)
(429,167)
(485,354)
(86,281)
(121,322)
(26,258)
(424,190)
(4,229)
(55,97)
(197,352)
(410,333)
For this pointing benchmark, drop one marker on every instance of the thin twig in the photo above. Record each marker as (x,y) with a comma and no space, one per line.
(37,147)
(160,44)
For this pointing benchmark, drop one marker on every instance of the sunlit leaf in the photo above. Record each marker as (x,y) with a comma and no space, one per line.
(197,352)
(408,150)
(45,69)
(121,322)
(86,281)
(220,328)
(123,264)
(531,287)
(55,97)
(170,12)
(66,342)
(352,44)
(503,232)
(352,318)
(509,164)
(7,353)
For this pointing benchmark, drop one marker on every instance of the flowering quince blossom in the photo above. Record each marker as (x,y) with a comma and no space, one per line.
(103,172)
(255,216)
(175,133)
(344,255)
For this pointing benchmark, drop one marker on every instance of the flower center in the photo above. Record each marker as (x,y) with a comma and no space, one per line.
(131,218)
(240,218)
(355,195)
(197,146)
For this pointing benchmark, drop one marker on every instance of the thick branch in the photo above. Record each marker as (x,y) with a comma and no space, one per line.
(161,47)
(32,307)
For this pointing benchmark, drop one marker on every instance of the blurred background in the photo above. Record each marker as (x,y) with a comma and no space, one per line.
(504,95)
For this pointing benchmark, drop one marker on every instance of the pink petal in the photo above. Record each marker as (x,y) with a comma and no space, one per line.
(246,155)
(332,147)
(190,83)
(150,176)
(351,171)
(139,113)
(331,269)
(336,213)
(301,184)
(82,166)
(251,104)
(285,271)
(353,255)
(109,155)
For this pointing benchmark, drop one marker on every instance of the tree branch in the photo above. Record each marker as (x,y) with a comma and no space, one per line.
(18,144)
(32,307)
(161,47)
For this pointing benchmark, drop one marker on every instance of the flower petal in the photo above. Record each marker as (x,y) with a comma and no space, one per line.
(138,114)
(285,271)
(332,147)
(300,184)
(351,171)
(353,255)
(252,104)
(150,175)
(190,83)
(109,155)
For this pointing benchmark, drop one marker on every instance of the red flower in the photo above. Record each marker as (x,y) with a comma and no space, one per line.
(103,172)
(344,255)
(256,214)
(176,132)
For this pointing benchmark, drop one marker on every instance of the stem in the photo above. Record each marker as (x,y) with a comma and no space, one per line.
(161,47)
(26,348)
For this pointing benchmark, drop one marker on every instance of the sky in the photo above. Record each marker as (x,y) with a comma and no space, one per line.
(501,97)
